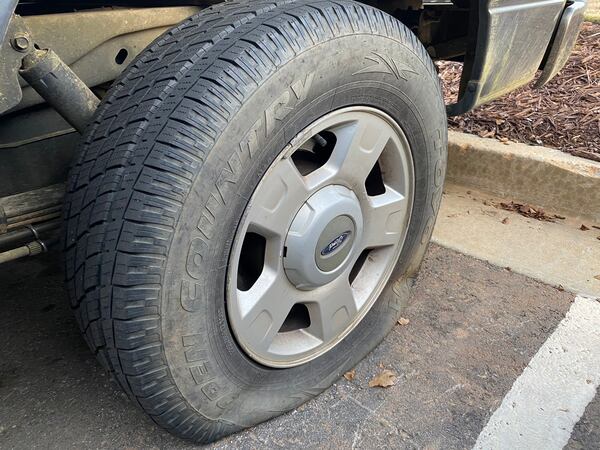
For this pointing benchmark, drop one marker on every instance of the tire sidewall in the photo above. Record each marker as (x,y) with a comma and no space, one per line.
(211,371)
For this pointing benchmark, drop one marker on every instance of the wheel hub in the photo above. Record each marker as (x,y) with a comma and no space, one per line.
(322,237)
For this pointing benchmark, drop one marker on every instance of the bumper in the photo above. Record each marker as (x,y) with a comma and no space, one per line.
(563,41)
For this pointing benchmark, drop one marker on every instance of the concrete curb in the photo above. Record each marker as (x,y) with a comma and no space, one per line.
(541,176)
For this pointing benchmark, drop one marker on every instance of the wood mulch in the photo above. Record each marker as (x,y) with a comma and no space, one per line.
(564,114)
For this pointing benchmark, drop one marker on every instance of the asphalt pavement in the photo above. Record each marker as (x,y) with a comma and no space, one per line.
(473,329)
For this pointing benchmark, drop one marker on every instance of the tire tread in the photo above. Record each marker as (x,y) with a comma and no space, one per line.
(137,162)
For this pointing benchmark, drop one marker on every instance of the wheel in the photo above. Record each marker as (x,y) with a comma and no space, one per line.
(320,237)
(250,206)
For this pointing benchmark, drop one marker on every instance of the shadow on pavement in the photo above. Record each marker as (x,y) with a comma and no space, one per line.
(472,330)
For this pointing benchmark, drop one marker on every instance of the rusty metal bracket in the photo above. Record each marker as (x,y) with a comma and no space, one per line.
(14,47)
(45,72)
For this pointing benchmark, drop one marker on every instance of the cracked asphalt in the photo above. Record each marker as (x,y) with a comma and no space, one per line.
(473,329)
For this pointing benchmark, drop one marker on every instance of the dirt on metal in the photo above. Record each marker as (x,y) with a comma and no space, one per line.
(564,114)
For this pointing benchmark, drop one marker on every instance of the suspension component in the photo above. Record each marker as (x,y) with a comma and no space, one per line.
(60,87)
(31,249)
(29,222)
(45,72)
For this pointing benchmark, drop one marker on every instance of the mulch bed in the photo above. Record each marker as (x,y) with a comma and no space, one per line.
(564,114)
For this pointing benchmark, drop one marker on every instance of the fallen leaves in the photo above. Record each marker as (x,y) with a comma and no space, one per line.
(597,277)
(532,212)
(526,210)
(403,321)
(384,379)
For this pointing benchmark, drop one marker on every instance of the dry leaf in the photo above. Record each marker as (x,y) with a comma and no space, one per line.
(526,210)
(583,227)
(597,277)
(560,288)
(385,379)
(350,375)
(505,220)
(403,321)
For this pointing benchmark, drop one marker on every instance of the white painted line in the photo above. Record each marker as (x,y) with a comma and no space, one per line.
(550,396)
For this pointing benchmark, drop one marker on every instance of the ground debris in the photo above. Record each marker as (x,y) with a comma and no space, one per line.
(385,379)
(403,321)
(564,114)
(350,375)
(583,227)
(526,210)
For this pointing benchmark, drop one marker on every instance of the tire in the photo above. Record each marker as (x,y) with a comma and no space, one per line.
(164,175)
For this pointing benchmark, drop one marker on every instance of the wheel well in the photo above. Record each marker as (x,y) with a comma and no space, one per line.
(441,25)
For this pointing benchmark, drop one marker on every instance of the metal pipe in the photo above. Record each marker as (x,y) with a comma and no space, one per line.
(36,215)
(29,205)
(25,234)
(31,249)
(60,87)
(34,220)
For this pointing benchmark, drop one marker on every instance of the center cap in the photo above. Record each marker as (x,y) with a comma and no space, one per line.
(335,243)
(322,237)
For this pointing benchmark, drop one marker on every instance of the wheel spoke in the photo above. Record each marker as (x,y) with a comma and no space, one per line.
(348,174)
(275,202)
(334,311)
(359,146)
(264,308)
(384,219)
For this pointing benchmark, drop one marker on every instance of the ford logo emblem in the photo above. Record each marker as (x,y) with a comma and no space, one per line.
(336,243)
